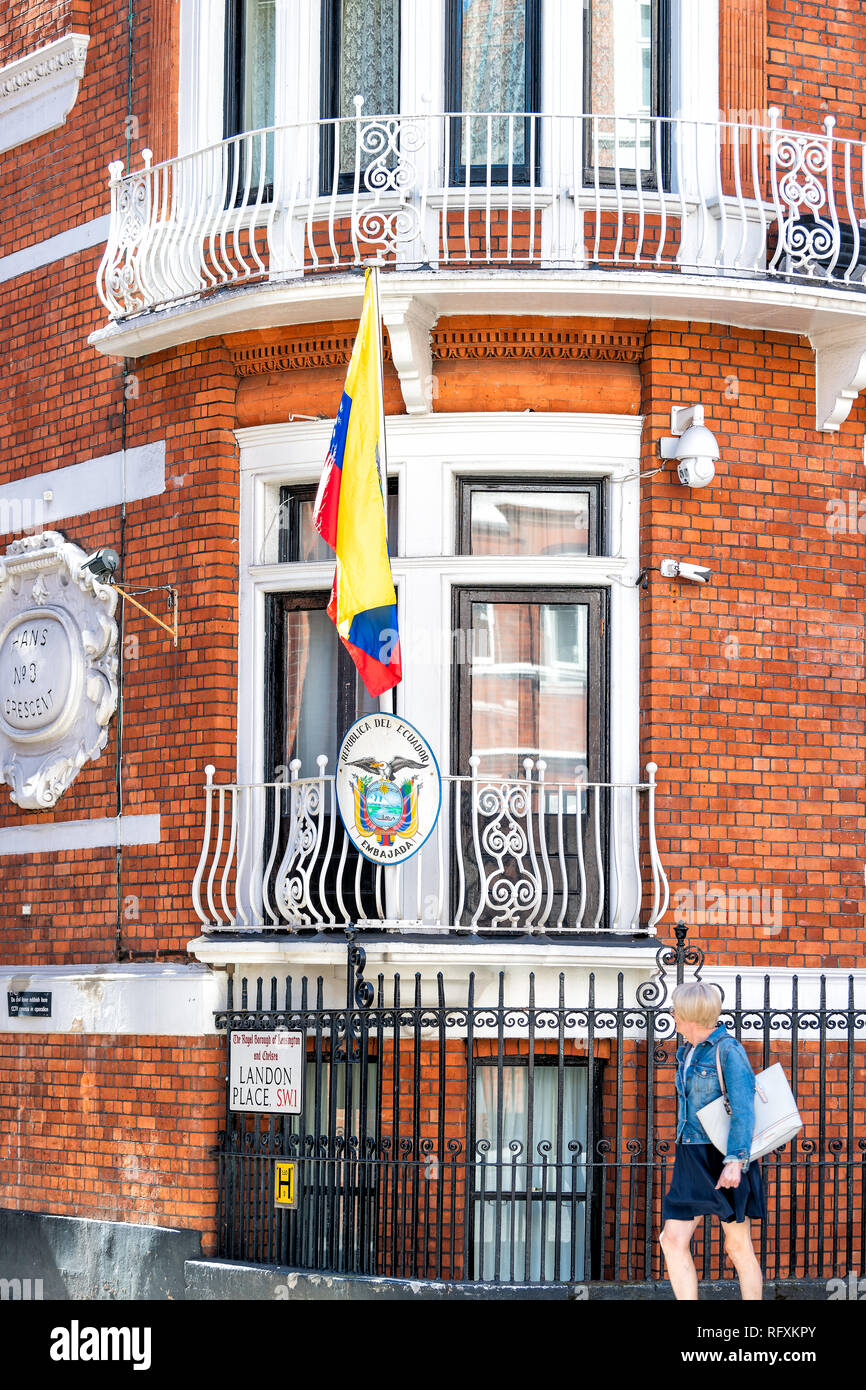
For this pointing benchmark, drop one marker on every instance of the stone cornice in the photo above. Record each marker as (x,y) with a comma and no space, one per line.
(38,91)
(518,343)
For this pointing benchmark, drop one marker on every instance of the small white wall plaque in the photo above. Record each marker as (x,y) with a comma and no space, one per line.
(58,667)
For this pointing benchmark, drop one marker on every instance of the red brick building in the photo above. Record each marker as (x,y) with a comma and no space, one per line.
(628,206)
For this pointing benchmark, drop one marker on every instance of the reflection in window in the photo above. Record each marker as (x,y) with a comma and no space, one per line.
(315,668)
(623,55)
(258,100)
(529,682)
(527,523)
(299,541)
(249,97)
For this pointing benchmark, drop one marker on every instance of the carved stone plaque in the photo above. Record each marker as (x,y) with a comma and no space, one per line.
(58,667)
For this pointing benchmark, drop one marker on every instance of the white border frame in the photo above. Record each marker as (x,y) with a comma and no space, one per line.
(426,456)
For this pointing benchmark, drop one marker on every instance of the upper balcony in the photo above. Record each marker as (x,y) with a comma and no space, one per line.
(757,225)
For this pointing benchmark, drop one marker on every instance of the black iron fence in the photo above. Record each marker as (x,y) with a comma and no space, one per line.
(528,1143)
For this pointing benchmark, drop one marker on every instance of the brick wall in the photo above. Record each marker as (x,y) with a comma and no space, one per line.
(29,24)
(815,57)
(112,1128)
(178,703)
(753,686)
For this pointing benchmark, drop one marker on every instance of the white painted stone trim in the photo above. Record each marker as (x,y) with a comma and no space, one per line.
(638,294)
(42,499)
(148,999)
(259,957)
(52,837)
(202,63)
(38,91)
(55,248)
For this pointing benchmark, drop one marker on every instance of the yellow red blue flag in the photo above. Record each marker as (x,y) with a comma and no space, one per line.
(349,515)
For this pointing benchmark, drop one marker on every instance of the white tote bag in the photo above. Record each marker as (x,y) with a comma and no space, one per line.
(777,1118)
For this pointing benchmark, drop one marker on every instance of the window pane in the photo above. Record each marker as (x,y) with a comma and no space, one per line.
(493,78)
(518,1167)
(311,656)
(258,82)
(529,667)
(369,66)
(529,523)
(621,62)
(310,548)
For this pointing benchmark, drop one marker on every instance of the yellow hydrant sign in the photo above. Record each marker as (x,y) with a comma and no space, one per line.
(285,1192)
(267,1072)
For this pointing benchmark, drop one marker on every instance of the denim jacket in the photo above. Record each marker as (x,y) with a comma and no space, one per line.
(702,1085)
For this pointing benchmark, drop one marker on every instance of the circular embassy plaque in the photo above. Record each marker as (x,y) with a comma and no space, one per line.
(388,787)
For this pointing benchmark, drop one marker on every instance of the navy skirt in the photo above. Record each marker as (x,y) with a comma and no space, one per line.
(693,1191)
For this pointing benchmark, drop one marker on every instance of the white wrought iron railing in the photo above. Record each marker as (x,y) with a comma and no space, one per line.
(539,191)
(506,856)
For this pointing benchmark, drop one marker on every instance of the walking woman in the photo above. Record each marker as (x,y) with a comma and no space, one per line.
(704,1182)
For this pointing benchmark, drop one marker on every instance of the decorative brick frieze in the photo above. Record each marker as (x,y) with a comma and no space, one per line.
(519,342)
(297,354)
(448,344)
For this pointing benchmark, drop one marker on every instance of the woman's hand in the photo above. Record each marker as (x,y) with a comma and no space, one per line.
(730,1175)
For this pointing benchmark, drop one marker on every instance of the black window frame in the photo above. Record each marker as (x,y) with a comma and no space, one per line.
(329,88)
(463,595)
(233,90)
(660,105)
(595,487)
(520,173)
(288,536)
(594,1181)
(277,756)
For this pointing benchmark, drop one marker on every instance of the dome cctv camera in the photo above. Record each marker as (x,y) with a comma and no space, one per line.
(694,448)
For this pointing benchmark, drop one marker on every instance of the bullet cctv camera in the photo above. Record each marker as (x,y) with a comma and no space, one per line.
(102,564)
(693,447)
(682,569)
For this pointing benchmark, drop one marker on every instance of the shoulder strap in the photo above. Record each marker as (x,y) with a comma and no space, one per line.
(722,1075)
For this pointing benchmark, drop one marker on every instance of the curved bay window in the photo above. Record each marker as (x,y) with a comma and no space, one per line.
(492,87)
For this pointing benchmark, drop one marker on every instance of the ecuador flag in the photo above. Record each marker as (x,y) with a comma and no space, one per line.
(350,516)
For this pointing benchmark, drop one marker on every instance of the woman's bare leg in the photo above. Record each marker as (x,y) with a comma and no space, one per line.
(741,1253)
(676,1241)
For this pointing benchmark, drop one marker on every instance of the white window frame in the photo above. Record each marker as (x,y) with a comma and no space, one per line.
(427,455)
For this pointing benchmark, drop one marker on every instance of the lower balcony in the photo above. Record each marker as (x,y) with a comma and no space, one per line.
(506,859)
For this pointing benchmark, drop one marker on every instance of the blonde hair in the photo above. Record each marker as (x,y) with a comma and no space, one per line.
(697,1003)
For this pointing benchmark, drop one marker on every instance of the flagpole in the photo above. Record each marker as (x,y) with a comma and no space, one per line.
(390,697)
(380,367)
